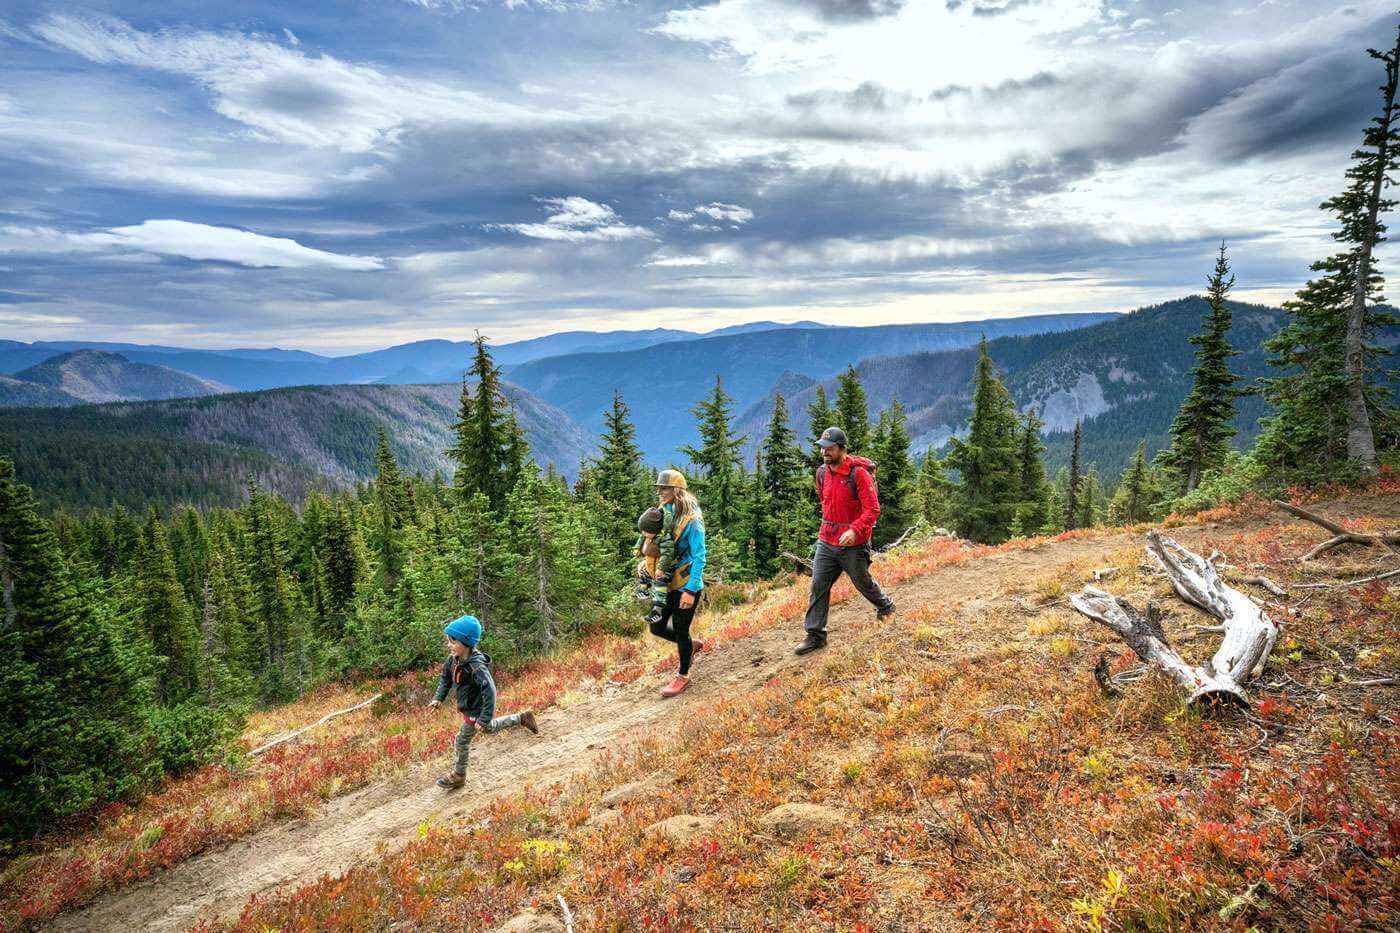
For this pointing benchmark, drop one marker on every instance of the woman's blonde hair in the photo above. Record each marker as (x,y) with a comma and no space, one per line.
(686,505)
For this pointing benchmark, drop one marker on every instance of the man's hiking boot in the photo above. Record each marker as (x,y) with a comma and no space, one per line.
(814,641)
(527,719)
(885,613)
(452,780)
(675,687)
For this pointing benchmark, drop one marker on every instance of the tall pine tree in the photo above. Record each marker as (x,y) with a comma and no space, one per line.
(1332,399)
(820,416)
(852,411)
(898,496)
(1031,470)
(72,729)
(718,460)
(1072,497)
(985,501)
(1204,425)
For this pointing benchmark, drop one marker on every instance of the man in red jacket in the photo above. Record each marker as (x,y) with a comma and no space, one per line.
(850,505)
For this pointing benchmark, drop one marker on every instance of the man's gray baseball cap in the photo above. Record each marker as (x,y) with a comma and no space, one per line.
(832,437)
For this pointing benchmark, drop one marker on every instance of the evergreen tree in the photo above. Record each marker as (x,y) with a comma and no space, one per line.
(1132,501)
(898,494)
(1204,425)
(1332,399)
(936,492)
(1031,470)
(72,729)
(166,620)
(618,476)
(390,514)
(717,460)
(852,411)
(820,416)
(343,565)
(1055,509)
(516,455)
(482,434)
(272,601)
(987,460)
(1089,492)
(1072,503)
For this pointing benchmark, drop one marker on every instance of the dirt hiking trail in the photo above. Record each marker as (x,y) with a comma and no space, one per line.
(217,883)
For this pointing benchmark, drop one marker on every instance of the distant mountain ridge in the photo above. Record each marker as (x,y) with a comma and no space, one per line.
(1125,377)
(662,383)
(86,376)
(201,450)
(420,361)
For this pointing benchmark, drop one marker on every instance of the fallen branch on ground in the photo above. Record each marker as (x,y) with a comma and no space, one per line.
(1248,632)
(1340,534)
(800,564)
(324,719)
(1348,583)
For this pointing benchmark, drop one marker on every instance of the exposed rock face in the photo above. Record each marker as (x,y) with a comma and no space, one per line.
(1063,407)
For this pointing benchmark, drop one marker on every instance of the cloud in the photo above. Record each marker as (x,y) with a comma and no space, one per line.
(282,93)
(577,219)
(189,241)
(727,213)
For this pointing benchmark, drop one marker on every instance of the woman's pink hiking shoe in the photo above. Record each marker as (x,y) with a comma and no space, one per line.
(675,687)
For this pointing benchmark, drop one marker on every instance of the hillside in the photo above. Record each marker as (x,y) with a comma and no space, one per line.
(956,768)
(1126,377)
(200,450)
(81,376)
(662,384)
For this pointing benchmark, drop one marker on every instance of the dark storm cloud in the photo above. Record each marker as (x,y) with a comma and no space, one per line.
(850,11)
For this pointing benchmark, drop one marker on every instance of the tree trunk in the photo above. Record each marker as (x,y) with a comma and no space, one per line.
(1361,441)
(1248,634)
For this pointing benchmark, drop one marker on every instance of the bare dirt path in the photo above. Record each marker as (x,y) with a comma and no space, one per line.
(218,883)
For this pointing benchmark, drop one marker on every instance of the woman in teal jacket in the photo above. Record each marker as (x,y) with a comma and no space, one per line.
(686,582)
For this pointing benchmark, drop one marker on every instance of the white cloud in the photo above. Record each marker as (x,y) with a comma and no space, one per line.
(922,44)
(677,261)
(187,240)
(732,214)
(283,94)
(577,219)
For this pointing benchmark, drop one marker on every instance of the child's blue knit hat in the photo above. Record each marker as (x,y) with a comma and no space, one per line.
(466,629)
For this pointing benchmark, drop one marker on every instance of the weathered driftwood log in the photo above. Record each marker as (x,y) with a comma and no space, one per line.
(1339,534)
(1247,632)
(324,719)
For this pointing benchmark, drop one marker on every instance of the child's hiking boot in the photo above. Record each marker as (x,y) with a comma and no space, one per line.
(815,641)
(527,719)
(675,687)
(452,780)
(655,614)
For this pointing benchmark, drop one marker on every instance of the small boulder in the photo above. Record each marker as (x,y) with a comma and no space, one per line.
(601,819)
(531,921)
(802,819)
(643,787)
(683,828)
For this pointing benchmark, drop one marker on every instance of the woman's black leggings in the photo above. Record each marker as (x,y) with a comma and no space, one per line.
(674,625)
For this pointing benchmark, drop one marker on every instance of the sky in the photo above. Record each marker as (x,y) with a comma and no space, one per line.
(345,176)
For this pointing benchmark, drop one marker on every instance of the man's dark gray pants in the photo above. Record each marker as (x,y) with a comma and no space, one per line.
(828,564)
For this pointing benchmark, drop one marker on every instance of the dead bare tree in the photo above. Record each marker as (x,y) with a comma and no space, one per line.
(1339,534)
(1247,632)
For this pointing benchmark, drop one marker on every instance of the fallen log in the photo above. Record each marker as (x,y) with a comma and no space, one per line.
(799,564)
(1247,632)
(324,719)
(1340,535)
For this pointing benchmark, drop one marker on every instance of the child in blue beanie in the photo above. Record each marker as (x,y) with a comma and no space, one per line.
(470,671)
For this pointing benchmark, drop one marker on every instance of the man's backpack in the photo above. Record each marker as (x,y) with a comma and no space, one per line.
(858,464)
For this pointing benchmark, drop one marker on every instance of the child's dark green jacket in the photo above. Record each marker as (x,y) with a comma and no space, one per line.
(476,690)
